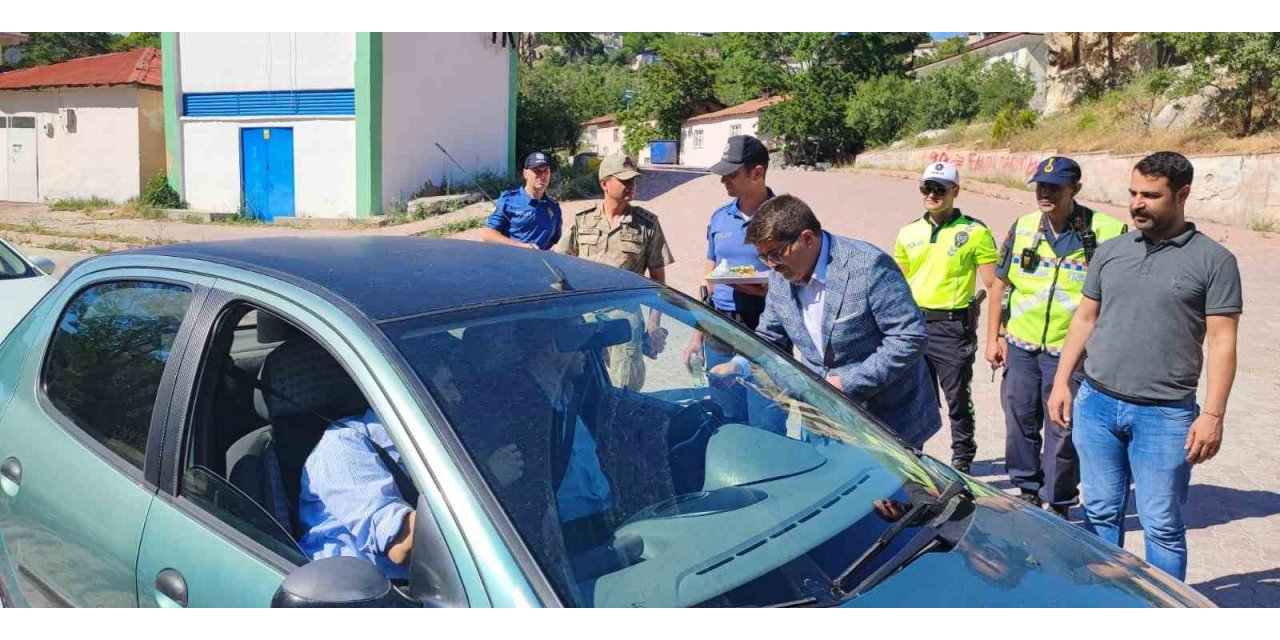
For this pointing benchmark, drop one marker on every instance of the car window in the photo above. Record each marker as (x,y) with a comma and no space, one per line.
(12,266)
(107,357)
(659,490)
(224,501)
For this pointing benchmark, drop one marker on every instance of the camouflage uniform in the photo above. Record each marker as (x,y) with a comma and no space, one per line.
(636,244)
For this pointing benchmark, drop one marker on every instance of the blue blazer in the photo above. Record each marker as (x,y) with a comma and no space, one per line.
(875,337)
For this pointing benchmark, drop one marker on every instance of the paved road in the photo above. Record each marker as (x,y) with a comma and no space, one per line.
(1233,512)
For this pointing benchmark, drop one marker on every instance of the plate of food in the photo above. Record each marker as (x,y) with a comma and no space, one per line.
(744,274)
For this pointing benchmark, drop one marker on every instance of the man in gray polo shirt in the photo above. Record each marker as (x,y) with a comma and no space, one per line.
(1150,299)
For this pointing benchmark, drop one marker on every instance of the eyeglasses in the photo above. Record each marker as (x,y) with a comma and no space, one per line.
(933,189)
(775,257)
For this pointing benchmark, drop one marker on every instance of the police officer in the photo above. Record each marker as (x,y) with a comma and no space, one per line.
(941,253)
(526,216)
(619,234)
(742,169)
(1042,267)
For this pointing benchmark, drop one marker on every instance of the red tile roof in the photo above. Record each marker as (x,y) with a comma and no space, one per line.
(140,66)
(745,109)
(608,118)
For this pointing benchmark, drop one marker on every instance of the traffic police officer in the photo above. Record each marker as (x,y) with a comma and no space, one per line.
(622,235)
(526,216)
(1042,266)
(941,253)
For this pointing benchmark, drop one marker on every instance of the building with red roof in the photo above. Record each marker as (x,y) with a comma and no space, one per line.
(88,127)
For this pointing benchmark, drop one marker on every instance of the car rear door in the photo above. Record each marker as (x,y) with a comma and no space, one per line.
(79,434)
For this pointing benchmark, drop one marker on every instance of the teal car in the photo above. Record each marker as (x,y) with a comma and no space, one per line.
(161,409)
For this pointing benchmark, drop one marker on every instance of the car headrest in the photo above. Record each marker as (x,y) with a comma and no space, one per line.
(306,380)
(272,329)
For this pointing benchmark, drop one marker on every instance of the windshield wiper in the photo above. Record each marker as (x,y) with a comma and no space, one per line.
(919,512)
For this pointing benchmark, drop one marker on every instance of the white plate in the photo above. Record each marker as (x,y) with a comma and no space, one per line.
(761,277)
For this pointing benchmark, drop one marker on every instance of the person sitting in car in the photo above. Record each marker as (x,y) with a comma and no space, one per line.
(353,504)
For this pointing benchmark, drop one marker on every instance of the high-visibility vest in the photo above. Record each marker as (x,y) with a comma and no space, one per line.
(1042,299)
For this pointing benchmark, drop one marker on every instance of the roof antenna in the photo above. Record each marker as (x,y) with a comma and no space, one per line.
(561,283)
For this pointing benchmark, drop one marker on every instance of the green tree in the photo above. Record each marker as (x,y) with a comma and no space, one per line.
(947,96)
(880,109)
(669,92)
(1003,86)
(1241,66)
(544,116)
(945,49)
(817,72)
(137,40)
(49,47)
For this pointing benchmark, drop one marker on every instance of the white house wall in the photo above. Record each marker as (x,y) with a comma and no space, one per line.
(715,134)
(446,88)
(324,166)
(100,158)
(221,62)
(605,143)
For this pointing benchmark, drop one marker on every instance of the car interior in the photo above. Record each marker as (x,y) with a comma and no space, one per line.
(272,392)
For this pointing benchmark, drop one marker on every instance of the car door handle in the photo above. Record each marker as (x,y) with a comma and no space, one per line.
(171,589)
(10,476)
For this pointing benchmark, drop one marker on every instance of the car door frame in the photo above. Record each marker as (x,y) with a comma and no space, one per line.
(315,317)
(35,371)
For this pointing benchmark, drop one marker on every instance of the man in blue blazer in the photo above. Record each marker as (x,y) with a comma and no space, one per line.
(846,307)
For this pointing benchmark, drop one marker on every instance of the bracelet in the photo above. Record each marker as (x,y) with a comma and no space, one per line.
(1210,413)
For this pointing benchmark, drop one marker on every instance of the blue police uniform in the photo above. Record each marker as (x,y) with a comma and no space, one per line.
(523,219)
(727,240)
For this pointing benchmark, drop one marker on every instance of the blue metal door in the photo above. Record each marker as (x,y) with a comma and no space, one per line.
(266,166)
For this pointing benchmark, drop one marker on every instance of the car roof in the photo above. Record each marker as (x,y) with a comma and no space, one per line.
(389,277)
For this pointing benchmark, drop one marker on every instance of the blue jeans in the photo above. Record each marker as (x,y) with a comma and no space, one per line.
(744,405)
(1120,441)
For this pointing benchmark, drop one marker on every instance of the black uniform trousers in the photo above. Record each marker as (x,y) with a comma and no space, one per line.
(1044,465)
(953,346)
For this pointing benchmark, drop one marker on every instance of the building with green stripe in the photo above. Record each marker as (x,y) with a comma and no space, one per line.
(332,125)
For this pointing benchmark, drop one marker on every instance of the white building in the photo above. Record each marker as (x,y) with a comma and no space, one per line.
(332,125)
(601,136)
(702,138)
(89,127)
(1027,51)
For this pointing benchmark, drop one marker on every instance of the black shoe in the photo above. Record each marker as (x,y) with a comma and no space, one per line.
(1031,498)
(1060,510)
(961,466)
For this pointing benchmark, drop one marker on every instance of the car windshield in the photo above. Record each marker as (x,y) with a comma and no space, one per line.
(12,266)
(636,483)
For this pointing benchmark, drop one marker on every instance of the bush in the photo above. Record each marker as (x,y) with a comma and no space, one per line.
(1008,122)
(1003,86)
(875,112)
(160,195)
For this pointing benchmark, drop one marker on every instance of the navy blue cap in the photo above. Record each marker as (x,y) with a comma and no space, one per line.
(536,159)
(1057,170)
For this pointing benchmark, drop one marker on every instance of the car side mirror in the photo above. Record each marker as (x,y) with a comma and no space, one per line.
(47,265)
(338,582)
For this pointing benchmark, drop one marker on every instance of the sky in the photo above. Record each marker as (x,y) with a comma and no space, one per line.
(943,35)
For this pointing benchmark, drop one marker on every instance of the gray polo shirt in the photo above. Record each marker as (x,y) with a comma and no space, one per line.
(1146,345)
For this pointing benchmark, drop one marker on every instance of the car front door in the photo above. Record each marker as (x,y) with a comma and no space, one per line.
(80,430)
(206,542)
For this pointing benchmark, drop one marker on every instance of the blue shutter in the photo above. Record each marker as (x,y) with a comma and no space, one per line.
(331,102)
